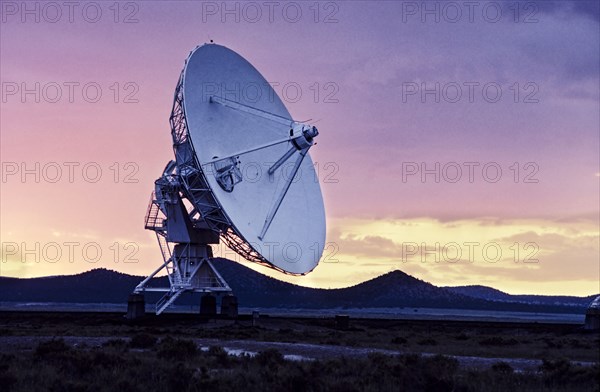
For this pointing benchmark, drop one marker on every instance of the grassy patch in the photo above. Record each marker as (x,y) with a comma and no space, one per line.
(176,365)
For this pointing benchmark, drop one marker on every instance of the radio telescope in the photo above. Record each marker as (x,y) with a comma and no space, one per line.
(241,175)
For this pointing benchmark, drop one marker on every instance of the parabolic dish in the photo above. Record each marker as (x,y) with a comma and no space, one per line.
(231,113)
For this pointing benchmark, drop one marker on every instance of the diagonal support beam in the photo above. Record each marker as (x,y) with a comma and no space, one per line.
(284,191)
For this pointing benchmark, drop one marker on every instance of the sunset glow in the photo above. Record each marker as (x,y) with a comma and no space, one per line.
(441,143)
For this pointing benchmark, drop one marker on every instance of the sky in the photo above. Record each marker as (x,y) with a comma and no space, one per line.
(459,141)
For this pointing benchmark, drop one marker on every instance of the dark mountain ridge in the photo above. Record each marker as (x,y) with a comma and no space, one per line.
(253,289)
(491,294)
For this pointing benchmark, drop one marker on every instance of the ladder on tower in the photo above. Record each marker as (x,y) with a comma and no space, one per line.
(167,300)
(155,219)
(164,246)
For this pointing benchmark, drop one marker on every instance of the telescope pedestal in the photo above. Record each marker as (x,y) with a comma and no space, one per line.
(136,306)
(187,260)
(229,306)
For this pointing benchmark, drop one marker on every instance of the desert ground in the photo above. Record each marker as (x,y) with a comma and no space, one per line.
(67,348)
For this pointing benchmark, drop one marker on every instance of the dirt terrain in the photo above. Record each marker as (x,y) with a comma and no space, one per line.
(95,351)
(474,344)
(290,351)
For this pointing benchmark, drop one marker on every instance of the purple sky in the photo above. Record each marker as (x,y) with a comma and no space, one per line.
(369,62)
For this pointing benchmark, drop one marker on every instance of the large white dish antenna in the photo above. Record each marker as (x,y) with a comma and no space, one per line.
(229,130)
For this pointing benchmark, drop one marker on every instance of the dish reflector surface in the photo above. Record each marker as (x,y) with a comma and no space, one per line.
(253,116)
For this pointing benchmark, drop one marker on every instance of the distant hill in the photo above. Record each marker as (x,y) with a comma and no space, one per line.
(394,289)
(491,294)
